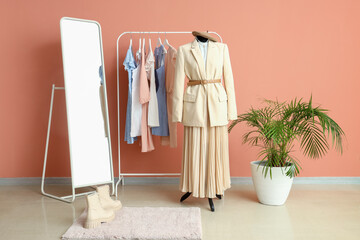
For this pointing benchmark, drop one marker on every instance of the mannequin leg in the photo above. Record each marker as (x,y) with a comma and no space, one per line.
(211,205)
(218,196)
(185,196)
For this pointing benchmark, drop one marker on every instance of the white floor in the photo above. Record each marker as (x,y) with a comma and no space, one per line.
(311,212)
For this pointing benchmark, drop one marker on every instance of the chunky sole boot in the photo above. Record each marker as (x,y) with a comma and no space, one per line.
(106,201)
(97,222)
(96,213)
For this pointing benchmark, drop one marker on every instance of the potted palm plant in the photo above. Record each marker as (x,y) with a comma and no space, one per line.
(275,128)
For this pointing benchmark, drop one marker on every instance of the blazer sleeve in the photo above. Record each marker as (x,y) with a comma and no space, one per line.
(229,85)
(178,91)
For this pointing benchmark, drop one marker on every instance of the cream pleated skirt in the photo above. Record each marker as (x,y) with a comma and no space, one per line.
(205,164)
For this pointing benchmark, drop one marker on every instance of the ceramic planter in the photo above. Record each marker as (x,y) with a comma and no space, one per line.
(271,191)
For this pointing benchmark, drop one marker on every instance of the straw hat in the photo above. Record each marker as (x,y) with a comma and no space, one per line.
(204,34)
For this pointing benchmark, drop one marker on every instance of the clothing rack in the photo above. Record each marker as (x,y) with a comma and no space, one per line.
(122,175)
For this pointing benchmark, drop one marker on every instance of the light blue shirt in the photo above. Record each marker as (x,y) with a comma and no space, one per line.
(130,65)
(101,75)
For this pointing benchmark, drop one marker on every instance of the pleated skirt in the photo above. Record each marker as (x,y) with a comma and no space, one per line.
(205,163)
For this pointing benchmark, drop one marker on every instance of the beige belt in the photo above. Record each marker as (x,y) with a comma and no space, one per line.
(202,82)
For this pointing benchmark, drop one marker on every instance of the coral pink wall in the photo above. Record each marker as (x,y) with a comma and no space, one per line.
(279,49)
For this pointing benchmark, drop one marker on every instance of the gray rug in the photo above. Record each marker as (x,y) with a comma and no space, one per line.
(142,223)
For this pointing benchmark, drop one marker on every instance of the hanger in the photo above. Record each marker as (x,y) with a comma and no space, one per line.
(150,44)
(144,45)
(166,42)
(158,44)
(149,41)
(130,39)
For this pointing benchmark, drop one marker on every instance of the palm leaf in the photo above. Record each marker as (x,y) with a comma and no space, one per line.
(276,126)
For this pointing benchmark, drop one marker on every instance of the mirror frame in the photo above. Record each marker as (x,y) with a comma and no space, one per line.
(106,105)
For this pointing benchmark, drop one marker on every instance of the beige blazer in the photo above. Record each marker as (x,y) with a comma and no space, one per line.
(199,101)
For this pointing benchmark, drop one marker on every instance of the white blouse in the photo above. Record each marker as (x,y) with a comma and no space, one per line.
(153,111)
(203,48)
(136,111)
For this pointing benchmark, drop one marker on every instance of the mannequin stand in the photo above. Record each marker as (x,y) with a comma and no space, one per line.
(211,203)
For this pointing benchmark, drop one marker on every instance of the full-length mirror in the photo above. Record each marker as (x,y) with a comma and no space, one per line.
(86,102)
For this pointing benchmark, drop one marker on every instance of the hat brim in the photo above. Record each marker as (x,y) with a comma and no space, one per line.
(205,35)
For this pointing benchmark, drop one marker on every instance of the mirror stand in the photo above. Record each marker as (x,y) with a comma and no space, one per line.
(69,198)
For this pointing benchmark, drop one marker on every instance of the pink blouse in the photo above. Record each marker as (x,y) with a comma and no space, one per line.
(146,137)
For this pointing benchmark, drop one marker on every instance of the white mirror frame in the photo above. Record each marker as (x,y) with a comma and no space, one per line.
(108,179)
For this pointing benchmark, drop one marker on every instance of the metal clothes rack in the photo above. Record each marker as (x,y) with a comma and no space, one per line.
(121,175)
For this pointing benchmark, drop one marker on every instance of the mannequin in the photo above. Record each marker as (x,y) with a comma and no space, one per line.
(186,195)
(201,39)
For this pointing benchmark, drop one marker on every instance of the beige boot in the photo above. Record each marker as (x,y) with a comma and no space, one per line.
(105,199)
(96,214)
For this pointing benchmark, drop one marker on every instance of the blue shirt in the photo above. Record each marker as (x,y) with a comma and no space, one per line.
(130,65)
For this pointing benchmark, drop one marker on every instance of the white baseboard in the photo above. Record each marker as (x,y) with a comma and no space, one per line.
(175,180)
(327,180)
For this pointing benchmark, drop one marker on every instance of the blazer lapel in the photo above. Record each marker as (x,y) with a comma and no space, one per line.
(199,59)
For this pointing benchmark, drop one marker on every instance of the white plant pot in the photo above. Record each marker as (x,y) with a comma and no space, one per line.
(271,191)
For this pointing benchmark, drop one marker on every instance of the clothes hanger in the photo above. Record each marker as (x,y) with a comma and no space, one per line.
(166,42)
(150,49)
(130,40)
(144,45)
(158,44)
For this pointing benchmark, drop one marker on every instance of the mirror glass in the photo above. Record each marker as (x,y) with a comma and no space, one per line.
(86,102)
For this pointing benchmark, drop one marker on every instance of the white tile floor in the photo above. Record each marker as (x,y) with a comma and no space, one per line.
(311,212)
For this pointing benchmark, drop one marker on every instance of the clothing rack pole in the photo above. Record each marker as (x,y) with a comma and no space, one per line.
(121,175)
